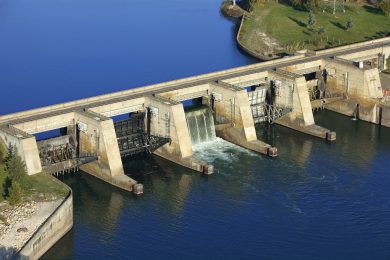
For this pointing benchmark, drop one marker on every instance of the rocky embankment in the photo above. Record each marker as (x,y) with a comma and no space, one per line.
(231,10)
(19,223)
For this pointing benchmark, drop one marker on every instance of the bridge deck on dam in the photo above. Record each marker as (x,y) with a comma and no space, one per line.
(88,103)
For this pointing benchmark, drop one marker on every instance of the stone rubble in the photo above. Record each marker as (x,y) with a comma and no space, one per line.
(19,223)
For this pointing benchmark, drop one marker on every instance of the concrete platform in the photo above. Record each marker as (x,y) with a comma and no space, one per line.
(313,130)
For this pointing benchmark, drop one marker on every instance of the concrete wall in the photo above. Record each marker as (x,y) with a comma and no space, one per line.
(386,116)
(52,230)
(46,123)
(367,54)
(187,93)
(120,108)
(168,120)
(304,68)
(372,83)
(99,138)
(233,108)
(26,146)
(248,80)
(295,83)
(346,78)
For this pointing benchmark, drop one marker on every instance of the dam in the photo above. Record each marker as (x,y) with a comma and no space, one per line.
(229,103)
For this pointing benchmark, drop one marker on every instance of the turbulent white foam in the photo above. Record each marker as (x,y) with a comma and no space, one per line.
(221,150)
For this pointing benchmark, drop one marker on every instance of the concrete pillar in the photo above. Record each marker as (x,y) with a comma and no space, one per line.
(97,135)
(301,102)
(301,117)
(168,120)
(234,120)
(25,144)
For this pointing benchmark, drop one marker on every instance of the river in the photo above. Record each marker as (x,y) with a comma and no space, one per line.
(317,200)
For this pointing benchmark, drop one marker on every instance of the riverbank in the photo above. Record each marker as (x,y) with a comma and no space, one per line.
(274,29)
(21,222)
(231,10)
(26,212)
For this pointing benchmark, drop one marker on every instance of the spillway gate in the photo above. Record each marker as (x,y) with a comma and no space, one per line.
(134,138)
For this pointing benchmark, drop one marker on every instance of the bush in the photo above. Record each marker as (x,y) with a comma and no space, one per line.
(3,152)
(15,166)
(385,7)
(15,193)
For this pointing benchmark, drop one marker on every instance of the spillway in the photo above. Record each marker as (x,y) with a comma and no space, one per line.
(200,123)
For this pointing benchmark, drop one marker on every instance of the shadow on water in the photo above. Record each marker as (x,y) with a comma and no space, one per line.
(326,195)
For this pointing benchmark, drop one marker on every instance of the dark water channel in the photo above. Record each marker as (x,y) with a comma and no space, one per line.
(315,201)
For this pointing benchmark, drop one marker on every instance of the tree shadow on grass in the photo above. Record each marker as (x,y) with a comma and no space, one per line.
(382,34)
(373,10)
(298,22)
(338,25)
(378,35)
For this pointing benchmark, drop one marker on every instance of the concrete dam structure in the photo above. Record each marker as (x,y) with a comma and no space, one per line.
(229,103)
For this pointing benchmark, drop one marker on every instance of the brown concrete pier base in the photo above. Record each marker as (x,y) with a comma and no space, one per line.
(190,162)
(314,130)
(138,189)
(121,181)
(208,169)
(331,136)
(272,151)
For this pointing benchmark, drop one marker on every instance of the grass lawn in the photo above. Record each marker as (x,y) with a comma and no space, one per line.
(287,26)
(43,184)
(37,186)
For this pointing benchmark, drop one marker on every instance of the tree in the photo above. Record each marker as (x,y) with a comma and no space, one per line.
(311,20)
(296,3)
(15,166)
(321,30)
(349,24)
(385,7)
(313,5)
(15,193)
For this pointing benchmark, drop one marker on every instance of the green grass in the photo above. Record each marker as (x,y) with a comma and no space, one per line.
(37,186)
(288,26)
(43,184)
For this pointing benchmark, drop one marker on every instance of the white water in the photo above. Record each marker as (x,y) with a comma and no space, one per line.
(200,124)
(219,149)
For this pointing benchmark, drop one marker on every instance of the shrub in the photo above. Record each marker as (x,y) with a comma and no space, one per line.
(385,7)
(311,20)
(349,24)
(15,193)
(15,166)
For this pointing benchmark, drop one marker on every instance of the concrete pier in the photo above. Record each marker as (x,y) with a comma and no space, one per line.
(233,118)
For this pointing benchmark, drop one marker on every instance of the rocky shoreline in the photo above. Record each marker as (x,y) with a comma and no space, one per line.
(231,10)
(19,223)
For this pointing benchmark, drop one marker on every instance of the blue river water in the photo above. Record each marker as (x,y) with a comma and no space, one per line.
(315,201)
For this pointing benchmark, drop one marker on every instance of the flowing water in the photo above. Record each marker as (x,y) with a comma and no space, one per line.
(315,201)
(200,124)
